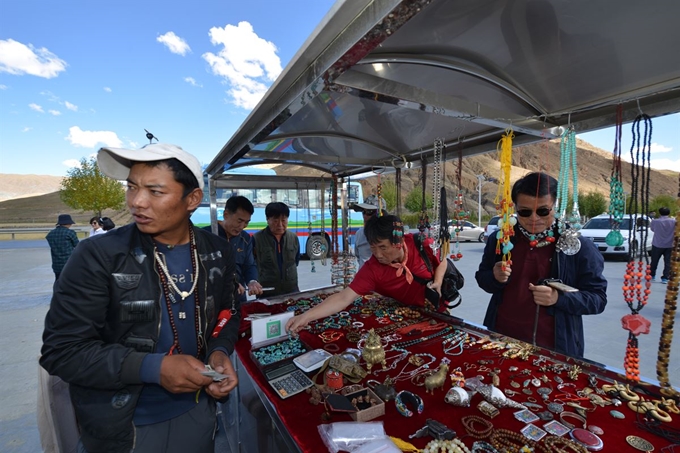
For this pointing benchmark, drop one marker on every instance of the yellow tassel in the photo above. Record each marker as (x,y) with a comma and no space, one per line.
(403,445)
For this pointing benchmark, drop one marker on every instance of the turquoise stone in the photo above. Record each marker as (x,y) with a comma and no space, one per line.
(614,238)
(617,414)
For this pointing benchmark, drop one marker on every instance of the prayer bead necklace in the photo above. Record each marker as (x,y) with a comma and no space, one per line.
(568,223)
(445,446)
(617,197)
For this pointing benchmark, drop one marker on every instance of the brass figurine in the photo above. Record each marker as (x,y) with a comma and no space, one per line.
(373,351)
(437,379)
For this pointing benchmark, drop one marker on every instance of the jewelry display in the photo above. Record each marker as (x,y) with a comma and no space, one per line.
(568,224)
(469,423)
(573,416)
(511,442)
(488,409)
(639,443)
(385,391)
(480,446)
(405,397)
(437,379)
(492,394)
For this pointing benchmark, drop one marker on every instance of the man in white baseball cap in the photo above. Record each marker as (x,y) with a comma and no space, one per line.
(136,315)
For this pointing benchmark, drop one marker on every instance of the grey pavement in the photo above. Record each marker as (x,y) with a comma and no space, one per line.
(27,286)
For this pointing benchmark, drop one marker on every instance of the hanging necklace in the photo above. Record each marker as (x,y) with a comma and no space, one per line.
(617,197)
(504,205)
(541,239)
(167,280)
(568,226)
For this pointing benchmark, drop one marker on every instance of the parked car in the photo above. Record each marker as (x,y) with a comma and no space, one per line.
(469,232)
(597,228)
(492,226)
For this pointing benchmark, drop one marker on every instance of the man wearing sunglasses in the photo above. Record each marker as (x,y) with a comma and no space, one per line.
(523,308)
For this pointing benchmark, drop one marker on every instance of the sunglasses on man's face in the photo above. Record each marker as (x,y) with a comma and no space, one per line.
(541,212)
(94,223)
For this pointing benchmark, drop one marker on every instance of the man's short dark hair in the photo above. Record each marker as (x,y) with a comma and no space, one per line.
(380,228)
(664,211)
(535,185)
(276,209)
(237,202)
(180,171)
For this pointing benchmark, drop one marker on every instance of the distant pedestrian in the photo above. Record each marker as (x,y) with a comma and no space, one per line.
(107,224)
(96,227)
(62,241)
(662,244)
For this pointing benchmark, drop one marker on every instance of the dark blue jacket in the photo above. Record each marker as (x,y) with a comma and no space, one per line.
(242,246)
(582,271)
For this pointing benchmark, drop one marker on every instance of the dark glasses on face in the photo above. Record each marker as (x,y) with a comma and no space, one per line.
(94,223)
(541,212)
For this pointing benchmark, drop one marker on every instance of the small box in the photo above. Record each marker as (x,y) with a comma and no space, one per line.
(366,412)
(260,356)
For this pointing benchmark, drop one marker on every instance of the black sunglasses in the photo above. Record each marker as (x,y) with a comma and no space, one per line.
(541,212)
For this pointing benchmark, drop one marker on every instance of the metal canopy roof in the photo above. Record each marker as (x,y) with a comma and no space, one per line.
(379,80)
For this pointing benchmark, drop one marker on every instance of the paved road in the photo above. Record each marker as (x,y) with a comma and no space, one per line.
(26,291)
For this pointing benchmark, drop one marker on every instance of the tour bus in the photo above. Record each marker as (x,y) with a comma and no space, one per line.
(306,210)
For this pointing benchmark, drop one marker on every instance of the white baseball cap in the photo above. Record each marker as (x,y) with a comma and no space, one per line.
(116,162)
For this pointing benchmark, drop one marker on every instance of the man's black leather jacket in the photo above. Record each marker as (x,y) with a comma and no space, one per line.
(105,317)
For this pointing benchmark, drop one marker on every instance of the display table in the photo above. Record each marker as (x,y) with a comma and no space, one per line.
(265,422)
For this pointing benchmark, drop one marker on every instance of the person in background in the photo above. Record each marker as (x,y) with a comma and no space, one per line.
(362,249)
(107,224)
(277,252)
(96,227)
(62,241)
(237,213)
(662,243)
(137,313)
(395,270)
(521,306)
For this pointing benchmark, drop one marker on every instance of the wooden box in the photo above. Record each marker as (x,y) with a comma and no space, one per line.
(366,411)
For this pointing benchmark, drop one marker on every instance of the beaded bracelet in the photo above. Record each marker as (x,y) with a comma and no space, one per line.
(561,445)
(509,441)
(483,447)
(445,446)
(468,423)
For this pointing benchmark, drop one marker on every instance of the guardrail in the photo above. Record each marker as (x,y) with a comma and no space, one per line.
(84,231)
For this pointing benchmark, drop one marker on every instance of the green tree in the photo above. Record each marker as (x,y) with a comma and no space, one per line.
(661,201)
(414,200)
(389,194)
(592,204)
(87,189)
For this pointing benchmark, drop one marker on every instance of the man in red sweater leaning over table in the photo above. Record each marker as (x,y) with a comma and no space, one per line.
(396,260)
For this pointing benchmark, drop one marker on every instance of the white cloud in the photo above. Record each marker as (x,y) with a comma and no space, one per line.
(107,89)
(665,164)
(246,62)
(36,107)
(19,59)
(90,139)
(191,81)
(54,112)
(174,43)
(26,129)
(658,148)
(70,106)
(72,163)
(3,87)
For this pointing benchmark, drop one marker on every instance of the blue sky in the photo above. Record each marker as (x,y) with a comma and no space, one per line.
(81,74)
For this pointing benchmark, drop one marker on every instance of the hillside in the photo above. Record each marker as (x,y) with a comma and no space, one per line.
(594,168)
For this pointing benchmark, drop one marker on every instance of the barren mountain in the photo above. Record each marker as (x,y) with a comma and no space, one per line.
(22,186)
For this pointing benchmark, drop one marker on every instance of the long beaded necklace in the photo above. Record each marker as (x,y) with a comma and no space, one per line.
(436,184)
(167,283)
(636,279)
(421,368)
(460,215)
(617,197)
(568,226)
(670,308)
(504,205)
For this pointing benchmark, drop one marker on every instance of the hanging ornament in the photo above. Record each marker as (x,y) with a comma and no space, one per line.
(568,224)
(617,197)
(424,221)
(504,205)
(460,215)
(637,280)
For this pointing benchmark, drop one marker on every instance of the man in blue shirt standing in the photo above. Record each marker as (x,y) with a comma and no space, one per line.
(237,213)
(662,244)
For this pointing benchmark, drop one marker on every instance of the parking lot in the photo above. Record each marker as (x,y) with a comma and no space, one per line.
(27,285)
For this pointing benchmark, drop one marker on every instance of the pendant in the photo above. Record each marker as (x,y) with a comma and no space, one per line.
(182,315)
(184,295)
(568,242)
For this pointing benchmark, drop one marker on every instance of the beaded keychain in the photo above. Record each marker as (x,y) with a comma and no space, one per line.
(617,197)
(503,201)
(635,279)
(568,225)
